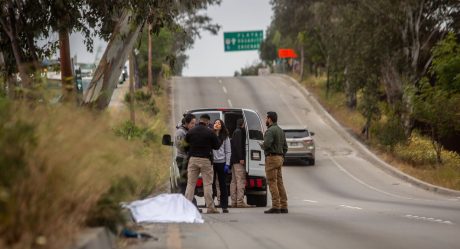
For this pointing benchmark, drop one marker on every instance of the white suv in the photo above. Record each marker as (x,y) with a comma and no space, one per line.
(300,143)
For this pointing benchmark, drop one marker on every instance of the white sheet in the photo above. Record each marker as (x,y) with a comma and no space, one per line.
(165,208)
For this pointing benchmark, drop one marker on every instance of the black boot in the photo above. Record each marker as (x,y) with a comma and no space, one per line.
(273,211)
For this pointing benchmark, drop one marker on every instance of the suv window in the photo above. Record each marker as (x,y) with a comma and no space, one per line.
(253,125)
(296,133)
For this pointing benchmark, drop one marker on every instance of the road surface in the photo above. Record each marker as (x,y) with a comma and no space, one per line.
(342,202)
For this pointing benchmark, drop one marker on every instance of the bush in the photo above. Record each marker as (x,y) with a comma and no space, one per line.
(389,134)
(151,107)
(139,96)
(419,151)
(130,131)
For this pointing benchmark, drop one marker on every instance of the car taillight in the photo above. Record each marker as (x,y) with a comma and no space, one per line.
(251,183)
(199,182)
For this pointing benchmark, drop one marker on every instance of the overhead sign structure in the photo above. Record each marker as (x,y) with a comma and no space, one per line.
(243,40)
(284,53)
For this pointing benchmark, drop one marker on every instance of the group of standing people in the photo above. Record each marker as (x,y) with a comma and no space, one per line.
(208,149)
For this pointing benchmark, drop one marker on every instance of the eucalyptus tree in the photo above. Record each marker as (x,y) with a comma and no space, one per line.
(134,15)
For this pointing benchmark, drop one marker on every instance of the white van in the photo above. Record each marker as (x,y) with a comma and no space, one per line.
(256,182)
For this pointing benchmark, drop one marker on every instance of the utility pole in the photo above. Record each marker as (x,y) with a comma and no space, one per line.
(68,91)
(149,66)
(131,88)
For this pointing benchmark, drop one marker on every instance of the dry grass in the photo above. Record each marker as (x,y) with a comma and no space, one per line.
(70,159)
(416,157)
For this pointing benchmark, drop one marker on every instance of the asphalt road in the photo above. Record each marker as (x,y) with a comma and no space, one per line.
(342,202)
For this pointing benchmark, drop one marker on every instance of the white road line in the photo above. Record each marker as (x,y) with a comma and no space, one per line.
(311,201)
(365,184)
(225,89)
(351,207)
(220,81)
(229,103)
(415,217)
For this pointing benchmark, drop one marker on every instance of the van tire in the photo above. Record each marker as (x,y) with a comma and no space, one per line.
(258,200)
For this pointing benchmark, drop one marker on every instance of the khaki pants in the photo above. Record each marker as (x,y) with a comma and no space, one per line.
(273,165)
(238,184)
(196,166)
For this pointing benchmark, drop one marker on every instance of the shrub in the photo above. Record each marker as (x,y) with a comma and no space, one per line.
(419,151)
(139,96)
(151,107)
(390,133)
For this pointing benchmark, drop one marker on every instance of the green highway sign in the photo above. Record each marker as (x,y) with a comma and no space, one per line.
(244,40)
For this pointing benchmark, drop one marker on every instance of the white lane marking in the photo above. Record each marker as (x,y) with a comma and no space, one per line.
(365,184)
(351,207)
(311,201)
(229,103)
(416,217)
(220,81)
(294,113)
(225,89)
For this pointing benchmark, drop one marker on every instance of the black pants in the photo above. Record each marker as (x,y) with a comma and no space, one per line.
(182,165)
(220,173)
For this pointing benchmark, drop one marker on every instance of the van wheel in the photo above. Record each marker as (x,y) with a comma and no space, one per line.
(258,200)
(312,162)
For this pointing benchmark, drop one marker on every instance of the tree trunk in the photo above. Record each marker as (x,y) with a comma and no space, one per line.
(105,79)
(9,26)
(131,89)
(399,100)
(350,92)
(67,80)
(327,77)
(149,67)
(302,62)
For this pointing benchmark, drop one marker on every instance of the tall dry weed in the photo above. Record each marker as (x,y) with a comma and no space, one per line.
(72,159)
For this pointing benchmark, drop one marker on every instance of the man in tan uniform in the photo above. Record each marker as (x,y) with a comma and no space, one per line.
(275,147)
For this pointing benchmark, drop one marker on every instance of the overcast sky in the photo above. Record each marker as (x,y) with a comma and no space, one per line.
(207,57)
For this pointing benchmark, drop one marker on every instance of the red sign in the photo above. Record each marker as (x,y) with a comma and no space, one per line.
(286,53)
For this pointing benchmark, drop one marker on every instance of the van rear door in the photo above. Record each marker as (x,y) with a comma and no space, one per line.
(255,157)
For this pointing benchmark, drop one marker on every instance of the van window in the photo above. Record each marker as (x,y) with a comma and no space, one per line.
(213,115)
(253,125)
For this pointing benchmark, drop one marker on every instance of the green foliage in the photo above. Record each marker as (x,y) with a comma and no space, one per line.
(390,133)
(107,212)
(440,110)
(139,96)
(446,64)
(151,107)
(130,131)
(252,69)
(418,152)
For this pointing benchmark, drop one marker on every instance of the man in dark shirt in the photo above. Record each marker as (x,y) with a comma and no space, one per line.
(238,157)
(201,141)
(275,147)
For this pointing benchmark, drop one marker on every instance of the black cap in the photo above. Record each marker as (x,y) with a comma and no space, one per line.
(273,116)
